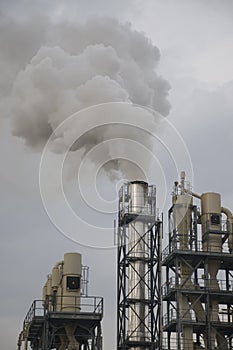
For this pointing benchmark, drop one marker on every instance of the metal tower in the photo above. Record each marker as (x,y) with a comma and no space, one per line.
(139,268)
(198,292)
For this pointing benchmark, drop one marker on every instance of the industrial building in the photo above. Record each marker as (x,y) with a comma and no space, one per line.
(173,296)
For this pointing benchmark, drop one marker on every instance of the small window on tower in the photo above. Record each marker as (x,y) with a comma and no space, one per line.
(72,282)
(215,219)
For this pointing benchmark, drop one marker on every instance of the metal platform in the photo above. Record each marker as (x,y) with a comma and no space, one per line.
(43,328)
(197,289)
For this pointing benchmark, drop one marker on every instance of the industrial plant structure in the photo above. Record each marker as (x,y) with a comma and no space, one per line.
(192,309)
(66,317)
(139,268)
(198,288)
(176,298)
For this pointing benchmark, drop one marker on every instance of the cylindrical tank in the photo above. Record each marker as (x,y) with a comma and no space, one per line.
(71,282)
(183,219)
(55,278)
(211,221)
(44,294)
(56,287)
(137,292)
(212,242)
(49,292)
(183,215)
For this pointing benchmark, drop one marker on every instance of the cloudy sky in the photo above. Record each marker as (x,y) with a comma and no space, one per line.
(59,57)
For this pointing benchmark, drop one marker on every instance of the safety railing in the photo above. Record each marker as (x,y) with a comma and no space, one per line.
(208,246)
(223,316)
(169,317)
(172,343)
(221,227)
(37,309)
(70,304)
(197,284)
(147,209)
(186,315)
(66,303)
(148,198)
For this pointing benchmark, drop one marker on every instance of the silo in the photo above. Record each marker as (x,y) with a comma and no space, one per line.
(71,282)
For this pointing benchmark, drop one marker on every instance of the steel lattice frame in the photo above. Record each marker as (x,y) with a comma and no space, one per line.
(194,259)
(151,279)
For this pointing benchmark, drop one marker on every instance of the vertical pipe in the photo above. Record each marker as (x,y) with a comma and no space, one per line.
(183,215)
(212,242)
(185,222)
(137,291)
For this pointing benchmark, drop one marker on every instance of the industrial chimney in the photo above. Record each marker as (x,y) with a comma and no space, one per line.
(139,268)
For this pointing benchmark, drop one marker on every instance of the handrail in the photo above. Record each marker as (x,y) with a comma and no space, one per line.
(171,316)
(200,284)
(197,246)
(35,309)
(74,304)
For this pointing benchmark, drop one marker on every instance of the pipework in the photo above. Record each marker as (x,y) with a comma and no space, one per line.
(185,237)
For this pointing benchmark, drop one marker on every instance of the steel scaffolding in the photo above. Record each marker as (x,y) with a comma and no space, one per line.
(139,274)
(197,304)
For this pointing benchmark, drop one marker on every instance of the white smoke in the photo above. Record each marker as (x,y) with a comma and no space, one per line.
(80,66)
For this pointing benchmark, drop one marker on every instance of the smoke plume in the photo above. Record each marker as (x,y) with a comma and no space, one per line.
(78,66)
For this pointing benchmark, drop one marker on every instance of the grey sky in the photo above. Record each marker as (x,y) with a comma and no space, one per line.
(195,40)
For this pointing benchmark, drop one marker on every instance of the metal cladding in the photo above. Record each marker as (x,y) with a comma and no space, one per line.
(138,268)
(198,292)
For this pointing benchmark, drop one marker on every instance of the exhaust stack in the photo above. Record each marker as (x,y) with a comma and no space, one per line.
(139,269)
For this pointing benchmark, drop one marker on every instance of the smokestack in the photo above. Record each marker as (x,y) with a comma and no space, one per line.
(139,270)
